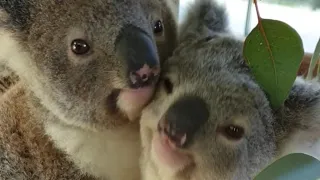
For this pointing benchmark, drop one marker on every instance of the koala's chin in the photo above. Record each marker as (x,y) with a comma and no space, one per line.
(131,102)
(210,120)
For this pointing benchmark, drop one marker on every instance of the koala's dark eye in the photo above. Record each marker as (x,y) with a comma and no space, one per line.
(233,132)
(158,27)
(168,85)
(79,46)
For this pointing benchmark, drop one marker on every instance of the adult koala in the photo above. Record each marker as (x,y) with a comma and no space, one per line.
(86,69)
(209,118)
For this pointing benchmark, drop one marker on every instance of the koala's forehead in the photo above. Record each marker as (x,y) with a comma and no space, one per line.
(100,19)
(57,15)
(217,70)
(90,11)
(202,59)
(60,14)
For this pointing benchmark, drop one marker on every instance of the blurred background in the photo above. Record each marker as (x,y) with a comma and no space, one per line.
(302,15)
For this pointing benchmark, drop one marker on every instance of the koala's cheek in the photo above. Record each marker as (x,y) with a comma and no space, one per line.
(108,118)
(163,52)
(150,118)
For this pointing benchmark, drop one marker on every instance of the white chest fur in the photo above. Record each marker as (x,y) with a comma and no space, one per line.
(112,154)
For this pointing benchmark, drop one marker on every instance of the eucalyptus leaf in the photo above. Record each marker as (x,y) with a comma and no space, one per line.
(297,166)
(274,50)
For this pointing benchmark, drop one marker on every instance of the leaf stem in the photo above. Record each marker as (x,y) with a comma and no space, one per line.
(257,10)
(313,61)
(266,40)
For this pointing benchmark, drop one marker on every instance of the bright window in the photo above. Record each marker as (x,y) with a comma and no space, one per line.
(302,15)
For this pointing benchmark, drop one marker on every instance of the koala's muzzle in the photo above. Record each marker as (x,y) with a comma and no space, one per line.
(138,51)
(183,119)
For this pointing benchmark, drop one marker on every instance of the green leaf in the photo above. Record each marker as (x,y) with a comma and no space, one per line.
(274,50)
(295,166)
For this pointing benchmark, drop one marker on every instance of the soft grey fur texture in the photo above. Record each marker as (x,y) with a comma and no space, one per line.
(208,64)
(66,117)
(7,78)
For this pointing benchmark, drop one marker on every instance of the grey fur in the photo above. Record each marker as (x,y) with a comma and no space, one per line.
(208,63)
(18,10)
(71,102)
(7,78)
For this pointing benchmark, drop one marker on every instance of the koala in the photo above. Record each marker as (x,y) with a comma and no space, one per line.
(9,78)
(210,120)
(86,69)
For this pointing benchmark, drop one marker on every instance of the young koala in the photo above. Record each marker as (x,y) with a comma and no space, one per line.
(209,118)
(86,70)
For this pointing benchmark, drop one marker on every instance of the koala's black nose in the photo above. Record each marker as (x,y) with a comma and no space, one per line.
(139,53)
(183,119)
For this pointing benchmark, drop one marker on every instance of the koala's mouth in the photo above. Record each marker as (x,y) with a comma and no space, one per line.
(166,152)
(132,101)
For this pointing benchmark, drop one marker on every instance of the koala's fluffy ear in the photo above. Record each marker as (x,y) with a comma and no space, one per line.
(297,123)
(203,18)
